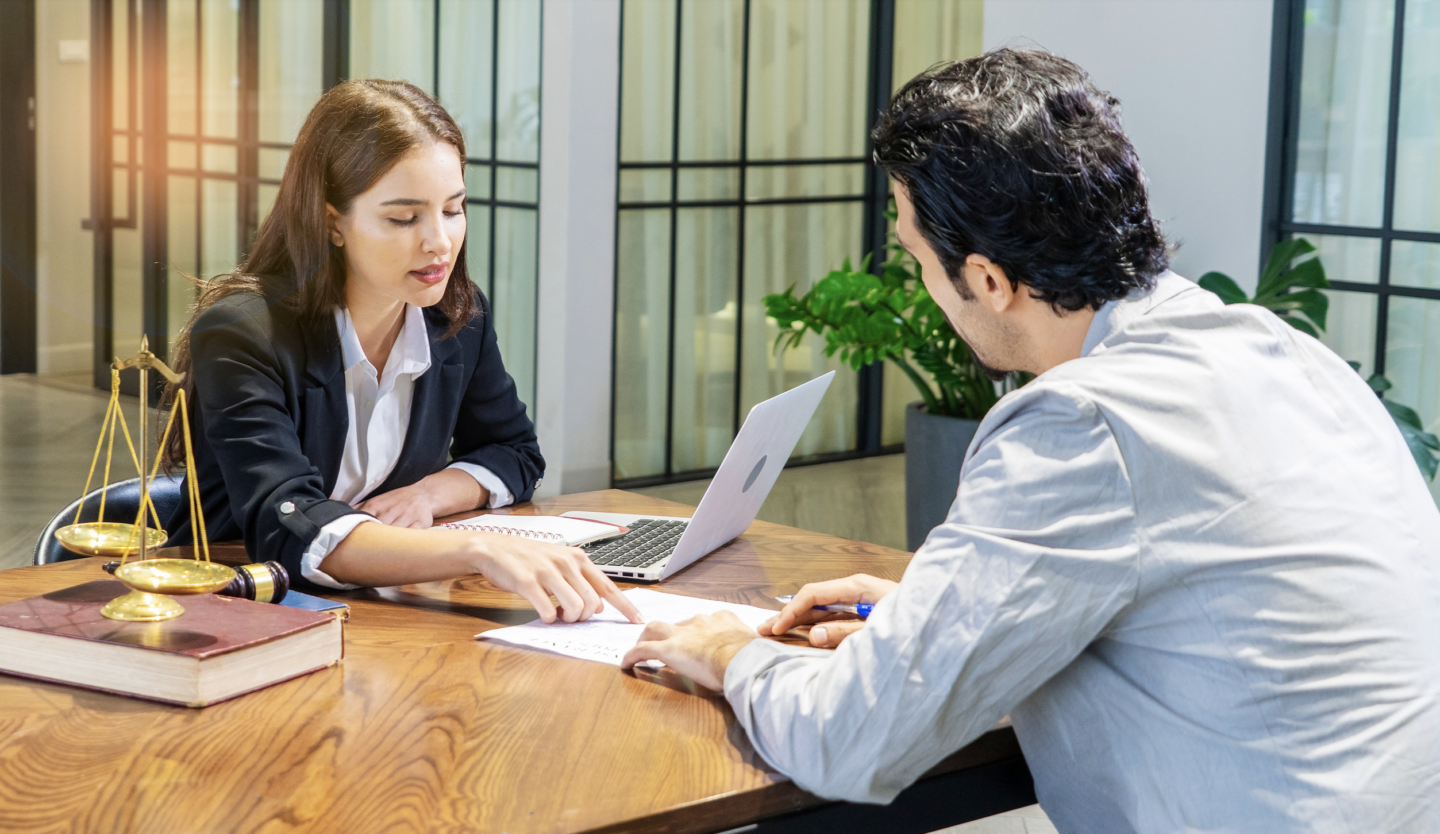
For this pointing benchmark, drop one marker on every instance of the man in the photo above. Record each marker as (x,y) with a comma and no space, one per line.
(1192,560)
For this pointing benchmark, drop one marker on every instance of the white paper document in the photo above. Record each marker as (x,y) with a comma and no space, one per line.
(607,636)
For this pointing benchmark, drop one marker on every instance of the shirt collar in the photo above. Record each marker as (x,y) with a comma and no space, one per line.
(411,353)
(1114,315)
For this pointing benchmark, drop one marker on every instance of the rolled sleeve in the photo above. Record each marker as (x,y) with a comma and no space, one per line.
(324,544)
(500,495)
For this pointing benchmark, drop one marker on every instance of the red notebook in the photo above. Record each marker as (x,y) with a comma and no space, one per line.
(219,648)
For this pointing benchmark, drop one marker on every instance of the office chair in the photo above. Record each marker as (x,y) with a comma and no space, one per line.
(122,503)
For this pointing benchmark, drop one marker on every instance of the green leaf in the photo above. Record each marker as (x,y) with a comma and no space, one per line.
(1224,286)
(1421,443)
(1404,415)
(1312,303)
(1300,324)
(1272,278)
(1377,383)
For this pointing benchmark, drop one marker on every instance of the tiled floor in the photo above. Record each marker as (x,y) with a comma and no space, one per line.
(48,428)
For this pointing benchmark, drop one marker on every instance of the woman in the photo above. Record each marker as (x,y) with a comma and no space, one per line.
(333,374)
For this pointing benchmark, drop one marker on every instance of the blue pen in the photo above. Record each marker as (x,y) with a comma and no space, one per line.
(862,610)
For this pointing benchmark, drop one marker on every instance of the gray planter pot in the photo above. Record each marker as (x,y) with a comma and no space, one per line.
(934,449)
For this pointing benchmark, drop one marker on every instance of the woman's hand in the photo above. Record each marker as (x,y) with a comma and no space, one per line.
(443,493)
(537,571)
(836,626)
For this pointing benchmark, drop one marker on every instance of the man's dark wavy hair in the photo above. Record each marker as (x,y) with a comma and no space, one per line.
(1017,155)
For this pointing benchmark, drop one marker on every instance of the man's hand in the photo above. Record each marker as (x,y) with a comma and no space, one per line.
(829,628)
(700,648)
(536,570)
(440,494)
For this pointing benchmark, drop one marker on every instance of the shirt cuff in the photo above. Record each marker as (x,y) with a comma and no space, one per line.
(324,543)
(752,661)
(499,494)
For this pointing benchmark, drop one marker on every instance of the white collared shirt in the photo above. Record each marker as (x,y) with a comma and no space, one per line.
(1198,568)
(379,410)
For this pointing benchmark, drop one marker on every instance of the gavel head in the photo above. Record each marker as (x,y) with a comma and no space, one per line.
(260,581)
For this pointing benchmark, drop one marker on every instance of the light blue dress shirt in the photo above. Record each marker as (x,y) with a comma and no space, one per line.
(1198,568)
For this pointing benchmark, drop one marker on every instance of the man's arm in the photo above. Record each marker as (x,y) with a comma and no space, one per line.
(1033,563)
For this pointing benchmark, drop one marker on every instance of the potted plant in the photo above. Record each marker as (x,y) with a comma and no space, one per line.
(868,317)
(1306,311)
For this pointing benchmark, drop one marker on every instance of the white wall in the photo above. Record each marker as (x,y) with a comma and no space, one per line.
(1194,79)
(580,85)
(64,268)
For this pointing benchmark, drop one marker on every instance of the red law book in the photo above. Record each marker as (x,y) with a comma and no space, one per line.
(219,648)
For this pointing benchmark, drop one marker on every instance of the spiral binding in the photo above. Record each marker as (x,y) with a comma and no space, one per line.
(537,535)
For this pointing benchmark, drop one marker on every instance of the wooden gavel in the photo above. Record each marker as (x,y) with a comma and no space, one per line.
(261,581)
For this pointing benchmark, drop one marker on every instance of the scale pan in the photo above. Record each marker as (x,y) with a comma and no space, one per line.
(175,576)
(107,538)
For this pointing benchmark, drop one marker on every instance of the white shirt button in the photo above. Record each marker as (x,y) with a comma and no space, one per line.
(287,507)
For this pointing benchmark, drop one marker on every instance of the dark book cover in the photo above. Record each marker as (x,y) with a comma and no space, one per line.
(211,625)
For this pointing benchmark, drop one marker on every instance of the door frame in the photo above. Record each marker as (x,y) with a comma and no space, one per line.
(18,256)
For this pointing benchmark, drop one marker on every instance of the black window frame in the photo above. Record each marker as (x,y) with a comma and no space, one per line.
(874,200)
(1282,151)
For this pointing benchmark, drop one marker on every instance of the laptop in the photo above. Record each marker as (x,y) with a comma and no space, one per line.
(659,546)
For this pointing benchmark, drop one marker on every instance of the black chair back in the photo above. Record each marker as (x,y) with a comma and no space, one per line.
(122,503)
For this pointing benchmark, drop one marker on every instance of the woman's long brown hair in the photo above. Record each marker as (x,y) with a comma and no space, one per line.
(354,135)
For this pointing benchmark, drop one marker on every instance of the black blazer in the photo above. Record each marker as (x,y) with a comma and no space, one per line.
(269,419)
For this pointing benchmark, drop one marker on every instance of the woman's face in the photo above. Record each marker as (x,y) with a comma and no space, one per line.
(400,238)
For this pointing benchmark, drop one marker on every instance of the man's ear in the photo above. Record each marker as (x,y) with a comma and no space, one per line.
(989,282)
(332,225)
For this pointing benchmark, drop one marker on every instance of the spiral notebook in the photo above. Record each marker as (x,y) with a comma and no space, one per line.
(545,528)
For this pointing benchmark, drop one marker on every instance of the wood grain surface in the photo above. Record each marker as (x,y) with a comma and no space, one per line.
(422,727)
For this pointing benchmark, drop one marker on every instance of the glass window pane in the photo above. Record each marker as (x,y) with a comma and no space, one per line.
(220,247)
(219,158)
(797,245)
(644,185)
(181,155)
(1350,330)
(711,50)
(180,67)
(268,193)
(642,327)
(1415,264)
(1344,102)
(220,63)
(272,163)
(1417,160)
(777,181)
(394,40)
(708,184)
(930,31)
(647,80)
(477,182)
(520,185)
(1412,360)
(182,214)
(808,62)
(291,34)
(477,247)
(517,96)
(514,298)
(706,248)
(1353,259)
(466,69)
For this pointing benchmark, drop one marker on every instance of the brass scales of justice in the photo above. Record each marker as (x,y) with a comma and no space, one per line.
(152,581)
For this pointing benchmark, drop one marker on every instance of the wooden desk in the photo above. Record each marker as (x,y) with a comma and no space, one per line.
(424,728)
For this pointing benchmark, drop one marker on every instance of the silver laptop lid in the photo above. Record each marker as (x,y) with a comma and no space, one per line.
(749,470)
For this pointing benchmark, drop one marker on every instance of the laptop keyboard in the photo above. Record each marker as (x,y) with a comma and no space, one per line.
(648,541)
